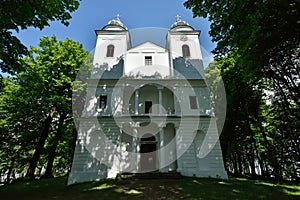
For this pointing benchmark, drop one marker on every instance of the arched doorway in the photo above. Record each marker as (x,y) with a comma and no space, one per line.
(148,153)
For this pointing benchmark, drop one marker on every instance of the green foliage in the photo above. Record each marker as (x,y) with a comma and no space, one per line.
(257,129)
(18,125)
(252,26)
(258,58)
(55,65)
(45,82)
(21,14)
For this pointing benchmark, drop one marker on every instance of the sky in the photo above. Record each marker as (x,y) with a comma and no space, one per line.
(135,14)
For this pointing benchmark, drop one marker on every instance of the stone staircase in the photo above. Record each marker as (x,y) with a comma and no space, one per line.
(149,175)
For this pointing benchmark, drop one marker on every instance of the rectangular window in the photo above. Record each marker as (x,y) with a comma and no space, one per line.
(148,105)
(103,101)
(193,102)
(148,60)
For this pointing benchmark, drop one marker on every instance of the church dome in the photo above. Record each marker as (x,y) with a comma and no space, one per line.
(180,25)
(115,24)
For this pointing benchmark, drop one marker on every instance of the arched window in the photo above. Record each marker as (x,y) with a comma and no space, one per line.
(186,51)
(110,50)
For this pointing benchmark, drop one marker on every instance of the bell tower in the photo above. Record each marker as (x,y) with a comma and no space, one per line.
(113,40)
(184,48)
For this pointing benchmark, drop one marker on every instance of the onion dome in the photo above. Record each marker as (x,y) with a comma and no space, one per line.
(180,24)
(115,24)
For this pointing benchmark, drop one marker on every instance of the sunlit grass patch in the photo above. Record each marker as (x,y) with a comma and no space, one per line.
(223,183)
(185,188)
(101,187)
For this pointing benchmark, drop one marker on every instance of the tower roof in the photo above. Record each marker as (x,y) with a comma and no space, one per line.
(179,24)
(115,24)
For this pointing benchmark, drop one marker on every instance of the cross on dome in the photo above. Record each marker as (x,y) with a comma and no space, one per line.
(118,17)
(178,18)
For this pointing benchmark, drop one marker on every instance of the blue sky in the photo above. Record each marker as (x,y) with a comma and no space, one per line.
(135,14)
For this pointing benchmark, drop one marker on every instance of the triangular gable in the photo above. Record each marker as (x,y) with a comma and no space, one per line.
(146,47)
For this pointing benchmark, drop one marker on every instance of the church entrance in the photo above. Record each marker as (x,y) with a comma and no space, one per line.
(148,153)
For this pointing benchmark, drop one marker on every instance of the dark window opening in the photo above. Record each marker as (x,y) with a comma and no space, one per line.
(103,101)
(186,51)
(148,106)
(110,50)
(148,60)
(193,102)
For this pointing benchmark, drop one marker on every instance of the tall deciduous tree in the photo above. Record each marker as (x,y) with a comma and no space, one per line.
(263,37)
(56,63)
(36,104)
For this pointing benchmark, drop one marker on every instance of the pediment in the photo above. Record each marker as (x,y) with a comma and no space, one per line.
(147,47)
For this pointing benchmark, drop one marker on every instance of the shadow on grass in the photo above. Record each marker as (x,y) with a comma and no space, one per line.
(236,188)
(186,188)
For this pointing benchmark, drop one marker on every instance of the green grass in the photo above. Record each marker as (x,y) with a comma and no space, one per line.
(186,188)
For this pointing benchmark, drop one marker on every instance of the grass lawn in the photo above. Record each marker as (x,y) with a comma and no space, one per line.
(185,188)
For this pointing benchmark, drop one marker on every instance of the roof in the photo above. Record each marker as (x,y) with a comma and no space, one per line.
(147,46)
(180,25)
(115,24)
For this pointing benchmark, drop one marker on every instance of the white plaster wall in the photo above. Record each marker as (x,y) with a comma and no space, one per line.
(114,104)
(148,94)
(204,157)
(98,157)
(176,46)
(95,152)
(168,101)
(135,60)
(120,43)
(170,154)
(182,93)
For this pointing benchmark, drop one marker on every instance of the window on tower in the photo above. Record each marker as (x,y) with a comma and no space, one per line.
(148,60)
(186,51)
(110,50)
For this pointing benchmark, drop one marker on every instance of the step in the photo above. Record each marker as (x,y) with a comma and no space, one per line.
(149,175)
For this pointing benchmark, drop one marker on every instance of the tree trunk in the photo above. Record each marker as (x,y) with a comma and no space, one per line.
(52,154)
(8,176)
(260,162)
(39,148)
(239,161)
(10,170)
(234,161)
(74,140)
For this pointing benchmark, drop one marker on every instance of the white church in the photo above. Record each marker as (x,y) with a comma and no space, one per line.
(147,109)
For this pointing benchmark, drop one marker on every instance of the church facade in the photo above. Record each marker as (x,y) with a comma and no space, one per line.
(147,109)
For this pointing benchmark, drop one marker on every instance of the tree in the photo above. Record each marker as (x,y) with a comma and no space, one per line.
(36,106)
(56,63)
(263,82)
(260,135)
(265,35)
(250,26)
(21,14)
(19,124)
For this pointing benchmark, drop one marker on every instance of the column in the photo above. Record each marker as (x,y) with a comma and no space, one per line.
(162,161)
(160,99)
(134,161)
(136,102)
(178,166)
